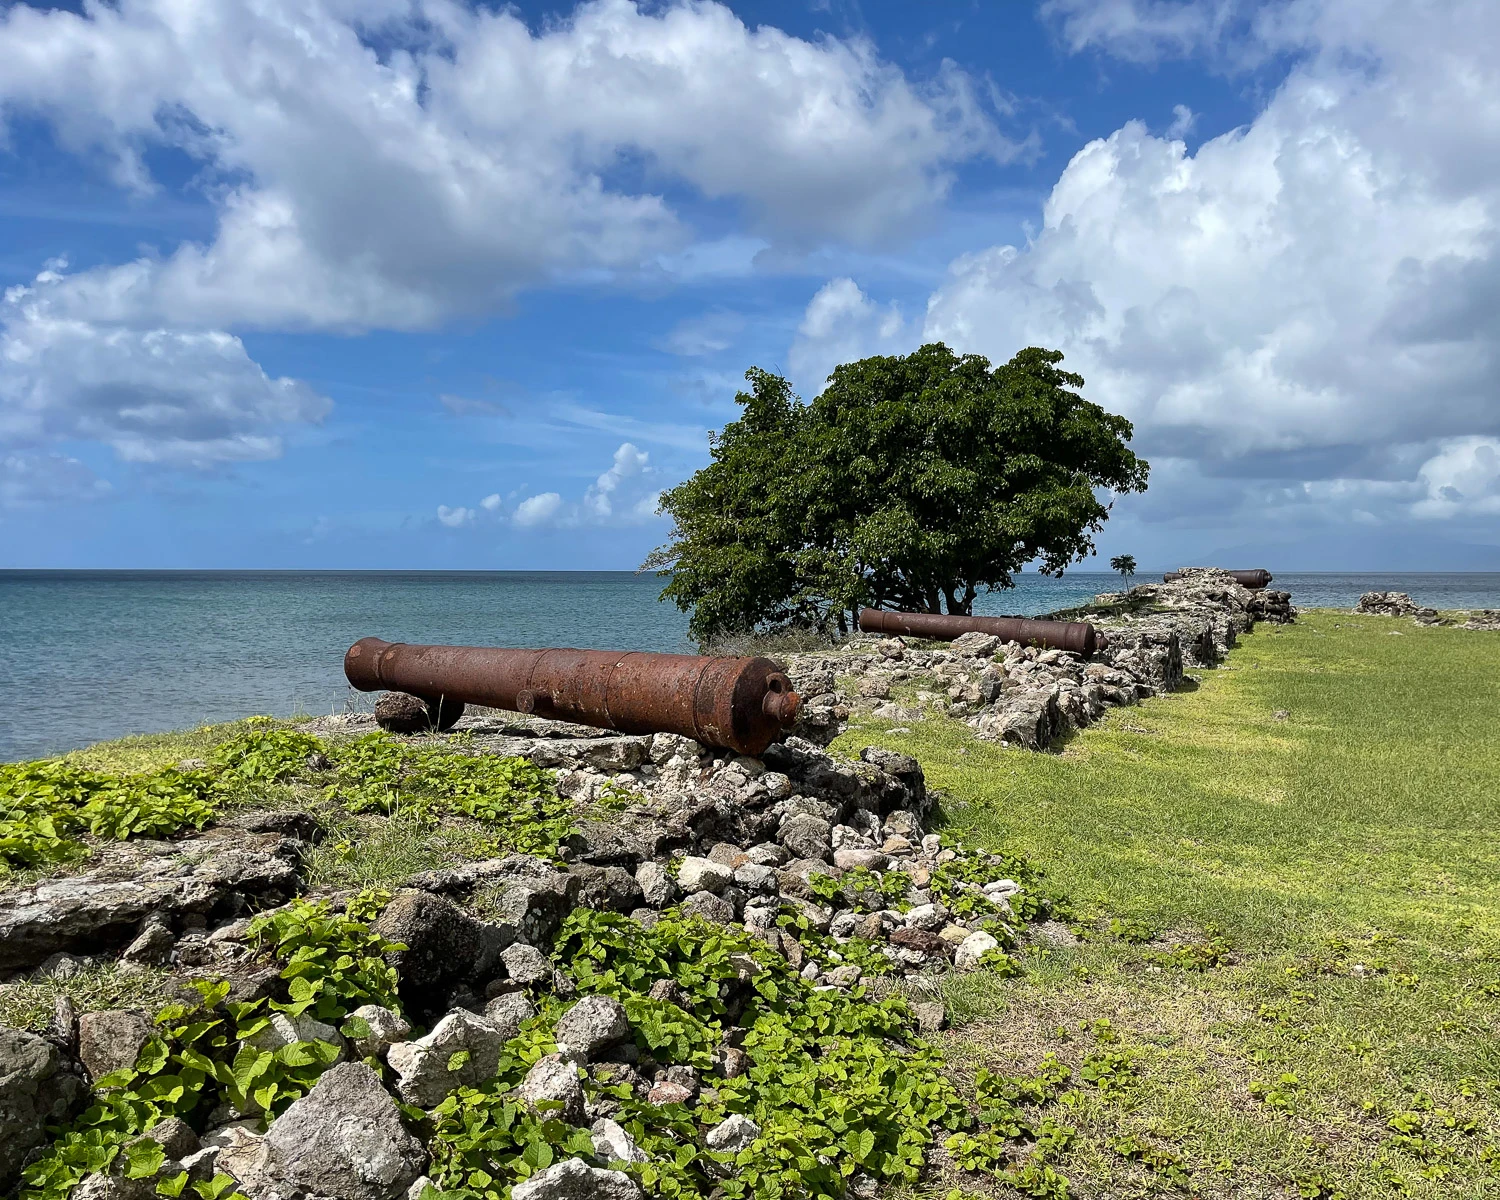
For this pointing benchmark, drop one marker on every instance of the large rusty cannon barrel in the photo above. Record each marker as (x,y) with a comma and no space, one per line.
(1077,636)
(1254,580)
(742,704)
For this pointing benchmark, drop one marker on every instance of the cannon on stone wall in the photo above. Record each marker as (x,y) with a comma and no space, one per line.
(1254,580)
(741,704)
(1078,636)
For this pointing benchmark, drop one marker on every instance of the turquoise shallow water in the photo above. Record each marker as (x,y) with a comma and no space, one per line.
(88,655)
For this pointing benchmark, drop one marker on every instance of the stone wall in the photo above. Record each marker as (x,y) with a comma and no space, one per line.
(1029,697)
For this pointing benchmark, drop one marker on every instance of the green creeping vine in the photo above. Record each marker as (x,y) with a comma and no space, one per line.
(378,773)
(198,1055)
(45,805)
(48,805)
(1015,1145)
(835,1081)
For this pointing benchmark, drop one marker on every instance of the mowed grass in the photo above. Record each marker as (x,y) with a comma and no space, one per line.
(1327,805)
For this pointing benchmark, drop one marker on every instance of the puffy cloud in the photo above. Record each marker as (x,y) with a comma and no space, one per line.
(538,510)
(842,323)
(182,398)
(1462,479)
(491,503)
(1183,120)
(454,518)
(629,467)
(387,164)
(1310,298)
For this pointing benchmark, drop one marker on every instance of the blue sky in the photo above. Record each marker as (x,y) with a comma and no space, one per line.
(422,284)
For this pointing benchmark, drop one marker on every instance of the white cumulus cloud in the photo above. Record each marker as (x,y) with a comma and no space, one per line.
(391,163)
(454,518)
(538,510)
(842,323)
(188,398)
(1312,297)
(1462,478)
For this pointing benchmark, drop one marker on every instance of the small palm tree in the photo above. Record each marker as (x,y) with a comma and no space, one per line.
(1124,564)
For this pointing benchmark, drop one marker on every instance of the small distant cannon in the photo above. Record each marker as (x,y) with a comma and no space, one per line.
(1254,580)
(1078,636)
(741,704)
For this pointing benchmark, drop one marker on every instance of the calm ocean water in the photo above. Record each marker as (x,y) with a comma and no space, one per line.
(91,655)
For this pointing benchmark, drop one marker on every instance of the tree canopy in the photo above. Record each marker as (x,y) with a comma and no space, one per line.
(908,482)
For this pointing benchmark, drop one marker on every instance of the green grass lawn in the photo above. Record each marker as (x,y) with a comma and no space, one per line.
(1325,807)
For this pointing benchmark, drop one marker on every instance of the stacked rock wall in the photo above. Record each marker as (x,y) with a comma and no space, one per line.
(1029,697)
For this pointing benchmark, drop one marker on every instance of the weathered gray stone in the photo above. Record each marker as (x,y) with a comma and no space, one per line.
(214,873)
(714,909)
(806,836)
(445,946)
(343,1140)
(287,1030)
(613,1144)
(36,1090)
(591,1024)
(931,1015)
(574,1179)
(703,875)
(176,1137)
(554,1081)
(110,1041)
(461,1051)
(733,1134)
(973,948)
(508,1011)
(657,886)
(526,964)
(385,1028)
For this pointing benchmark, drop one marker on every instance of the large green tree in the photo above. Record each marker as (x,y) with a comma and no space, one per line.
(909,482)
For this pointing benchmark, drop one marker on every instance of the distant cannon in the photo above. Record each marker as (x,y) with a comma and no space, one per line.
(742,704)
(1254,580)
(1078,636)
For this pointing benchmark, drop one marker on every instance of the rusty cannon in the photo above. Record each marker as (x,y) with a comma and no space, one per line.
(1254,580)
(1078,636)
(741,704)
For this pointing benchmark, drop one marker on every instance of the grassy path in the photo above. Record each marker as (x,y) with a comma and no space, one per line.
(1319,823)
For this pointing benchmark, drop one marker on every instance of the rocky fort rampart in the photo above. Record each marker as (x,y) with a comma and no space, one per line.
(662,935)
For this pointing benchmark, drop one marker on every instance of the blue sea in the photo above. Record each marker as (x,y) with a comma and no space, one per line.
(89,655)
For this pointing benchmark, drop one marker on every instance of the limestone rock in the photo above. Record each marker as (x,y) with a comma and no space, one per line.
(343,1140)
(214,874)
(385,1028)
(461,1051)
(733,1134)
(591,1024)
(613,1144)
(554,1081)
(445,946)
(526,964)
(574,1179)
(110,1041)
(973,948)
(508,1011)
(36,1090)
(704,875)
(806,836)
(657,886)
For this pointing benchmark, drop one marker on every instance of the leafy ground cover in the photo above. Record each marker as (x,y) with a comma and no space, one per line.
(1288,887)
(50,809)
